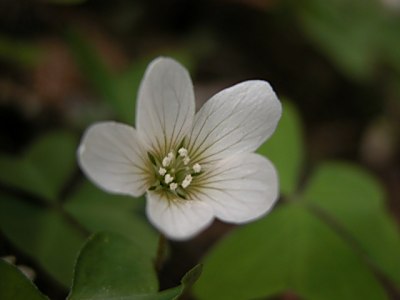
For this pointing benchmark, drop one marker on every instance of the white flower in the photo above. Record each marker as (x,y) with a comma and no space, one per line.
(208,155)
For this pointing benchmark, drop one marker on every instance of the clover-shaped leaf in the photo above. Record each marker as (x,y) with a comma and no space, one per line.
(291,250)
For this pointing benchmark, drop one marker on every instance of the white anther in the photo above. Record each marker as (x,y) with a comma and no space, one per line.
(183,152)
(162,171)
(196,168)
(186,160)
(168,178)
(186,181)
(173,186)
(166,161)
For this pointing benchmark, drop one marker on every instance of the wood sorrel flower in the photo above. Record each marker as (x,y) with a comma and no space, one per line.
(192,167)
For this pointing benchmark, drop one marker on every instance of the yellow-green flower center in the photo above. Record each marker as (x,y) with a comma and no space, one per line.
(174,172)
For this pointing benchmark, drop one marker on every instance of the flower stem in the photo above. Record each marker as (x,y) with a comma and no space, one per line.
(161,252)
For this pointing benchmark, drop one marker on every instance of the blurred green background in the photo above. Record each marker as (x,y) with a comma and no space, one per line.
(334,234)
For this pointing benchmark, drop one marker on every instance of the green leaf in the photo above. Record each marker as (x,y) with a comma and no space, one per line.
(355,201)
(111,266)
(44,168)
(19,173)
(15,286)
(285,149)
(349,32)
(42,234)
(100,211)
(290,250)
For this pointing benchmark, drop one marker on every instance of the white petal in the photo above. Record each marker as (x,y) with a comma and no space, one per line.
(166,105)
(177,219)
(111,155)
(240,188)
(237,119)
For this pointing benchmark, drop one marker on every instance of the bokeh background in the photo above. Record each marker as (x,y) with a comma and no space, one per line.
(65,64)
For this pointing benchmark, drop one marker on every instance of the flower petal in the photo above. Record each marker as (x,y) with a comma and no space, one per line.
(240,188)
(111,155)
(237,119)
(166,105)
(177,219)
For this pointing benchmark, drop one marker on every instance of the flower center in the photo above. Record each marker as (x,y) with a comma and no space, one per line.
(174,172)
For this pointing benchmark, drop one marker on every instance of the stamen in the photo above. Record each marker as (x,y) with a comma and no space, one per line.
(175,164)
(162,171)
(196,168)
(171,155)
(173,186)
(166,161)
(182,152)
(186,181)
(168,179)
(186,160)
